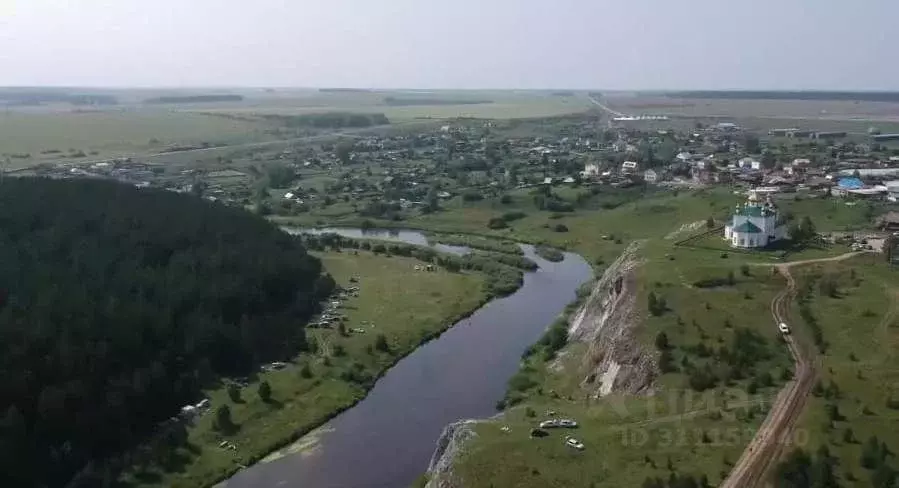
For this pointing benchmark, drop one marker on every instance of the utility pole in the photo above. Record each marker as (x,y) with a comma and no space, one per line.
(3,167)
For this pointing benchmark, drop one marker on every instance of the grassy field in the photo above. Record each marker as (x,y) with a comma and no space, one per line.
(112,133)
(824,111)
(301,400)
(498,104)
(861,331)
(596,233)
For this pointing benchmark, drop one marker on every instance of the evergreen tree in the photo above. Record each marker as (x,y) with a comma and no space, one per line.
(265,391)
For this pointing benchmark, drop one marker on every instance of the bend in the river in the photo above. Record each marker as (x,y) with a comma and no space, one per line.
(387,439)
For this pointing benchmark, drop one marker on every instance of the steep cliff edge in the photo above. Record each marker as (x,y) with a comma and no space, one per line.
(615,360)
(449,445)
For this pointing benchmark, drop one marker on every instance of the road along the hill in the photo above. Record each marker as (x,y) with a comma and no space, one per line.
(776,432)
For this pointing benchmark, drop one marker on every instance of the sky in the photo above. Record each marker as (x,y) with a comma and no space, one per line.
(466,44)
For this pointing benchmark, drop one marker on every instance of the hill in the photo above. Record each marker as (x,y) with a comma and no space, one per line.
(117,305)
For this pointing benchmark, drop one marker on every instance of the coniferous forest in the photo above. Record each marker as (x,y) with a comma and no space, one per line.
(118,304)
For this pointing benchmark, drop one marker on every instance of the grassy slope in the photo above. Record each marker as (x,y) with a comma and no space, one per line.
(861,331)
(427,303)
(616,442)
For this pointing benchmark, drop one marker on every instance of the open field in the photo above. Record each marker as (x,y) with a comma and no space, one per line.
(802,109)
(476,104)
(426,304)
(859,365)
(112,133)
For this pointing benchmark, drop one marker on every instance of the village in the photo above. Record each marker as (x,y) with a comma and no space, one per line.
(397,175)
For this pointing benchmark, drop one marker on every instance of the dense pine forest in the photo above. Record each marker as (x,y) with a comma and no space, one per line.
(118,304)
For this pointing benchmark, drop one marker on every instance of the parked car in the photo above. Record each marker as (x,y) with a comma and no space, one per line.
(783,328)
(549,424)
(572,442)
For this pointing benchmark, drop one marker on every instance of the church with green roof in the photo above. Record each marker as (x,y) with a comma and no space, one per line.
(754,224)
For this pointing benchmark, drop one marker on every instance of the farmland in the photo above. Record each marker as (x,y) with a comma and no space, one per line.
(57,132)
(853,116)
(439,105)
(112,133)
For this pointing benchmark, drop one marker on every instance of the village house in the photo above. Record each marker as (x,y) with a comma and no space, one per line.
(629,167)
(798,166)
(591,170)
(650,176)
(754,224)
(749,163)
(889,221)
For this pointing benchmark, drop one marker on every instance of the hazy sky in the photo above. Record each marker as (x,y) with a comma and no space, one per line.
(612,44)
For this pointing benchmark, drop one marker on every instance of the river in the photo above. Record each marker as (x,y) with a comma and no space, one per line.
(387,439)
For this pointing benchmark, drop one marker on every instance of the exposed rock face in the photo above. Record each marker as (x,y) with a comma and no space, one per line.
(615,361)
(448,447)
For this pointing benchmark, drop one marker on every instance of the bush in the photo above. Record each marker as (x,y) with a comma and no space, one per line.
(497,223)
(556,336)
(521,382)
(306,372)
(560,228)
(265,391)
(234,392)
(662,342)
(381,343)
(223,418)
(512,216)
(657,304)
(472,196)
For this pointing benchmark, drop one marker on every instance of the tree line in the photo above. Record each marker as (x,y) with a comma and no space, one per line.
(117,305)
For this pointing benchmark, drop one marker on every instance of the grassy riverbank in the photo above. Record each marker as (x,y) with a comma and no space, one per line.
(318,385)
(691,425)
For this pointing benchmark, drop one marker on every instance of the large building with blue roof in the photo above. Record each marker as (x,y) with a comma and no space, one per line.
(754,224)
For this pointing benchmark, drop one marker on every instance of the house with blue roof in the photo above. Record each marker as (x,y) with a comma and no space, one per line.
(754,224)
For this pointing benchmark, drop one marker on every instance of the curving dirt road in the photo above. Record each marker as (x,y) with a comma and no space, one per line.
(606,108)
(776,432)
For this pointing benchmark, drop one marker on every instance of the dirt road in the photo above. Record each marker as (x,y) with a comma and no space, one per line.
(606,108)
(776,432)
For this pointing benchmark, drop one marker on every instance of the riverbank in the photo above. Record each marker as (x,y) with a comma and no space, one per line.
(660,383)
(461,375)
(334,376)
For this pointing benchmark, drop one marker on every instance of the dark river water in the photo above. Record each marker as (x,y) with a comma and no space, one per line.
(387,439)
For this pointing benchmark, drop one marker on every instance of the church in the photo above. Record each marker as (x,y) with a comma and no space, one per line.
(755,224)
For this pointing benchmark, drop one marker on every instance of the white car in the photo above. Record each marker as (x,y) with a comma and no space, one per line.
(567,423)
(549,424)
(783,328)
(572,442)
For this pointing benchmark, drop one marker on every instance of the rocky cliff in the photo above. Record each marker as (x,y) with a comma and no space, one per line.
(451,440)
(615,360)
